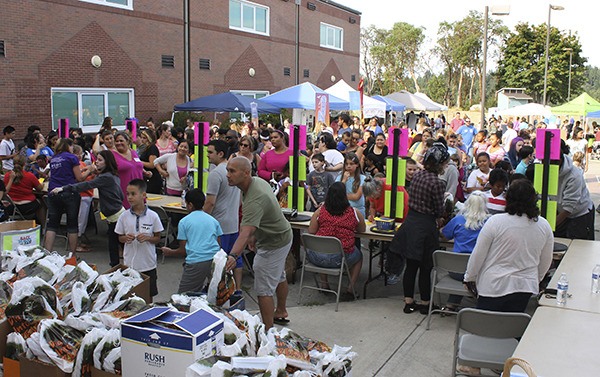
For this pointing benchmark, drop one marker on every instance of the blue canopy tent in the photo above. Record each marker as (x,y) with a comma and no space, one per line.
(302,96)
(594,114)
(391,105)
(226,102)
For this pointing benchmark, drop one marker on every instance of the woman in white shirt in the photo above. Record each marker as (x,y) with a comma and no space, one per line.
(512,254)
(176,169)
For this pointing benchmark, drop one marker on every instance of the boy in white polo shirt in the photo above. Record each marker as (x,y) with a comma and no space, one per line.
(139,229)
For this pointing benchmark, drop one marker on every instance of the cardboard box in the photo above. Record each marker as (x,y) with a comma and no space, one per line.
(101,373)
(12,368)
(163,342)
(141,290)
(5,329)
(19,233)
(37,368)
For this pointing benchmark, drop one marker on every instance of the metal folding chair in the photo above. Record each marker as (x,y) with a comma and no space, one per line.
(485,339)
(325,245)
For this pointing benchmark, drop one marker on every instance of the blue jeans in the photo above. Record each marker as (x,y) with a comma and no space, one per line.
(333,260)
(63,202)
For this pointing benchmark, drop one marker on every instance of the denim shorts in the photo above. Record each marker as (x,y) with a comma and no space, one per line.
(63,202)
(333,260)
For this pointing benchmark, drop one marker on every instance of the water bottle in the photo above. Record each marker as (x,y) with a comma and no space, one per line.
(183,198)
(562,287)
(596,279)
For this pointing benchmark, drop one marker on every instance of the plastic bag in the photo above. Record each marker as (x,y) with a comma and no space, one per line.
(85,356)
(5,294)
(287,344)
(112,314)
(110,341)
(112,361)
(338,362)
(85,321)
(33,343)
(60,342)
(15,346)
(222,284)
(236,342)
(201,368)
(80,299)
(32,300)
(45,268)
(277,366)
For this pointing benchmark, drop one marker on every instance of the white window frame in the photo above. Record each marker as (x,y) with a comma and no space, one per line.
(91,91)
(251,93)
(334,28)
(109,4)
(248,30)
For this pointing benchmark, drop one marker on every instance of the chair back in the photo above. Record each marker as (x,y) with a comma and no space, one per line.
(322,244)
(162,214)
(450,261)
(165,221)
(492,324)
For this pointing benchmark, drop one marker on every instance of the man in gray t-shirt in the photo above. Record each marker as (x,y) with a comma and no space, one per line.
(223,201)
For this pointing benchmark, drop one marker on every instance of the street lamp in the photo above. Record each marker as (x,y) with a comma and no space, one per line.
(550,9)
(570,50)
(496,11)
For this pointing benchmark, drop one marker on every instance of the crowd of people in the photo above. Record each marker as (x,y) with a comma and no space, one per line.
(457,176)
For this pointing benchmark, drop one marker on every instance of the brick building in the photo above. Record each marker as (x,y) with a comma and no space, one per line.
(86,59)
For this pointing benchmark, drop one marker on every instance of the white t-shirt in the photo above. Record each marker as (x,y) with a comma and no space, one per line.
(477,178)
(508,136)
(141,256)
(512,254)
(7,147)
(332,158)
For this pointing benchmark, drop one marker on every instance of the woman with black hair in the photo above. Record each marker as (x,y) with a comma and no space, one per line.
(109,194)
(418,237)
(336,218)
(512,254)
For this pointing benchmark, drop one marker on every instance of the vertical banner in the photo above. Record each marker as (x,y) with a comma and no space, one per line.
(201,138)
(396,172)
(322,108)
(354,100)
(254,113)
(546,173)
(131,127)
(297,172)
(361,89)
(301,141)
(398,147)
(63,128)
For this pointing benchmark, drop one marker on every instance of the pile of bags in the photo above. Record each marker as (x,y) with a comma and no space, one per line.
(249,350)
(64,314)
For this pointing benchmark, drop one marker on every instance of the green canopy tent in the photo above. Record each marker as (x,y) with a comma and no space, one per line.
(578,106)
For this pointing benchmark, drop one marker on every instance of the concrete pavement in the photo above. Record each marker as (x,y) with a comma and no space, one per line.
(388,342)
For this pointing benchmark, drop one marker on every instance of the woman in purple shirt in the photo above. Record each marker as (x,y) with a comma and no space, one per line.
(129,164)
(64,170)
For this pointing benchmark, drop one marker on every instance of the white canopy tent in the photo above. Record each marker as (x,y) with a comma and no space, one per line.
(530,109)
(371,106)
(414,102)
(426,98)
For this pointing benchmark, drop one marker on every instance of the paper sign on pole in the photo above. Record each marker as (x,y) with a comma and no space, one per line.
(540,143)
(300,196)
(403,148)
(354,100)
(301,138)
(552,182)
(399,204)
(389,162)
(551,215)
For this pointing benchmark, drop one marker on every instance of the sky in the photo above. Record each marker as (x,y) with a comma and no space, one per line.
(579,17)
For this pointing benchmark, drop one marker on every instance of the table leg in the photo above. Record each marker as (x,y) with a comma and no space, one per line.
(374,253)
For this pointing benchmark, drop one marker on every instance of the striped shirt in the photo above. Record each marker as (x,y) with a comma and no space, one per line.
(495,204)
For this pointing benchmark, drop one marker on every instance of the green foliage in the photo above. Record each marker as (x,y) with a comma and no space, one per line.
(180,117)
(592,82)
(523,62)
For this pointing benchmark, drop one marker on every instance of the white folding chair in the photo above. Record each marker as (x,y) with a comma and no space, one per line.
(485,339)
(168,234)
(324,245)
(441,282)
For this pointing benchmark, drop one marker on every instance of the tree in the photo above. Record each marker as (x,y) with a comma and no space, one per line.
(592,82)
(523,60)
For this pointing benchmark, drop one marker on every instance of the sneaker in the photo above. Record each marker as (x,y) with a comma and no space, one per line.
(393,279)
(409,308)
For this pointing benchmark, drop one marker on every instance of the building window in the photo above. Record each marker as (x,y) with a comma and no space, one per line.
(2,50)
(167,61)
(86,108)
(247,16)
(256,94)
(306,73)
(123,4)
(205,64)
(287,71)
(353,78)
(332,36)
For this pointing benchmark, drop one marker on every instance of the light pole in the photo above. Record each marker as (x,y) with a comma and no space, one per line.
(496,11)
(570,50)
(550,9)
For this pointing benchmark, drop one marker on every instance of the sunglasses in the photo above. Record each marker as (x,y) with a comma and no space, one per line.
(244,145)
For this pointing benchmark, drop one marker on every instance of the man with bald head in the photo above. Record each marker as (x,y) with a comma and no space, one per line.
(264,229)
